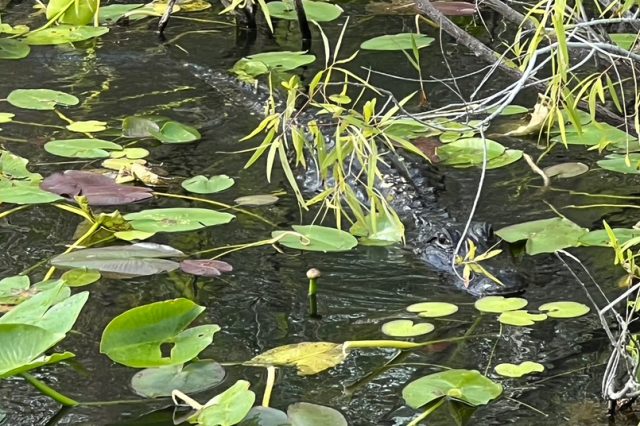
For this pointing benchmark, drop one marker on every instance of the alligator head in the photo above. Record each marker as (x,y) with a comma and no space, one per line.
(437,249)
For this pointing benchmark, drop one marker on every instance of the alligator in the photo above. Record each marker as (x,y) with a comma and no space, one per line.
(411,188)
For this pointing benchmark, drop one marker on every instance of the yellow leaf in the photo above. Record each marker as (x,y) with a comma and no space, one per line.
(538,117)
(308,357)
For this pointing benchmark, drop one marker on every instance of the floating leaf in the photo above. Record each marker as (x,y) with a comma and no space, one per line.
(176,219)
(6,117)
(203,185)
(518,370)
(468,152)
(263,63)
(388,230)
(564,309)
(256,200)
(406,328)
(545,235)
(400,41)
(624,40)
(433,309)
(510,110)
(133,235)
(520,318)
(26,194)
(135,337)
(618,163)
(468,386)
(174,132)
(81,148)
(229,407)
(305,414)
(537,119)
(22,344)
(89,126)
(63,34)
(566,170)
(264,416)
(600,134)
(122,261)
(13,49)
(600,237)
(508,157)
(131,154)
(80,277)
(12,289)
(141,126)
(14,167)
(111,13)
(99,190)
(308,357)
(316,238)
(40,99)
(498,304)
(318,11)
(195,377)
(205,267)
(80,13)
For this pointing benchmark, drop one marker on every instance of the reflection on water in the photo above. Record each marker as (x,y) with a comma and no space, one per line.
(263,303)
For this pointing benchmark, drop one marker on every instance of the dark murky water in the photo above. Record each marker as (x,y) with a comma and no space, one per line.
(263,303)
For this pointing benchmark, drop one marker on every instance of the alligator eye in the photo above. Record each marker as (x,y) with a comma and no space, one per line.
(443,240)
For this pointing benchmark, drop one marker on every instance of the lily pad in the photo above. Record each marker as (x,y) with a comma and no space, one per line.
(621,164)
(89,126)
(80,277)
(205,267)
(81,148)
(176,219)
(6,117)
(262,63)
(308,357)
(12,289)
(520,318)
(23,344)
(135,337)
(63,34)
(265,416)
(564,309)
(131,154)
(400,41)
(26,194)
(545,235)
(80,13)
(203,185)
(518,370)
(468,386)
(305,414)
(318,11)
(13,49)
(194,377)
(566,170)
(499,304)
(111,13)
(256,200)
(14,167)
(174,132)
(406,328)
(433,309)
(316,238)
(122,261)
(229,407)
(600,237)
(596,134)
(468,152)
(40,99)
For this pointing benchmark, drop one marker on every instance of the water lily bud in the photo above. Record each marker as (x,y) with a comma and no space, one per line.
(313,273)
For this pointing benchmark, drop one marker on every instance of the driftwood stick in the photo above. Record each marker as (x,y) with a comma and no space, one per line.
(509,13)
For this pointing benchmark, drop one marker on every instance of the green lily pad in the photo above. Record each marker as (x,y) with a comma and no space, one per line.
(520,318)
(518,370)
(265,416)
(194,377)
(306,414)
(23,344)
(545,235)
(433,309)
(80,277)
(316,238)
(40,99)
(174,132)
(256,200)
(203,185)
(13,288)
(13,49)
(229,407)
(385,230)
(618,163)
(565,309)
(89,126)
(26,194)
(176,219)
(133,235)
(263,63)
(81,148)
(401,41)
(508,157)
(499,304)
(468,152)
(307,357)
(63,34)
(131,153)
(318,11)
(14,167)
(468,386)
(6,117)
(111,13)
(510,110)
(596,134)
(566,170)
(135,337)
(600,237)
(406,328)
(80,13)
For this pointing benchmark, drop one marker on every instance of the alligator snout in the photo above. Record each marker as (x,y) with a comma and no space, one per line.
(492,274)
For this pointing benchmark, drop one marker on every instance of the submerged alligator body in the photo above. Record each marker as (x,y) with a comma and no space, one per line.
(411,188)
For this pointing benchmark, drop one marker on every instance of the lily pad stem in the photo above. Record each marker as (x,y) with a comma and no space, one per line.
(271,380)
(427,412)
(401,345)
(48,391)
